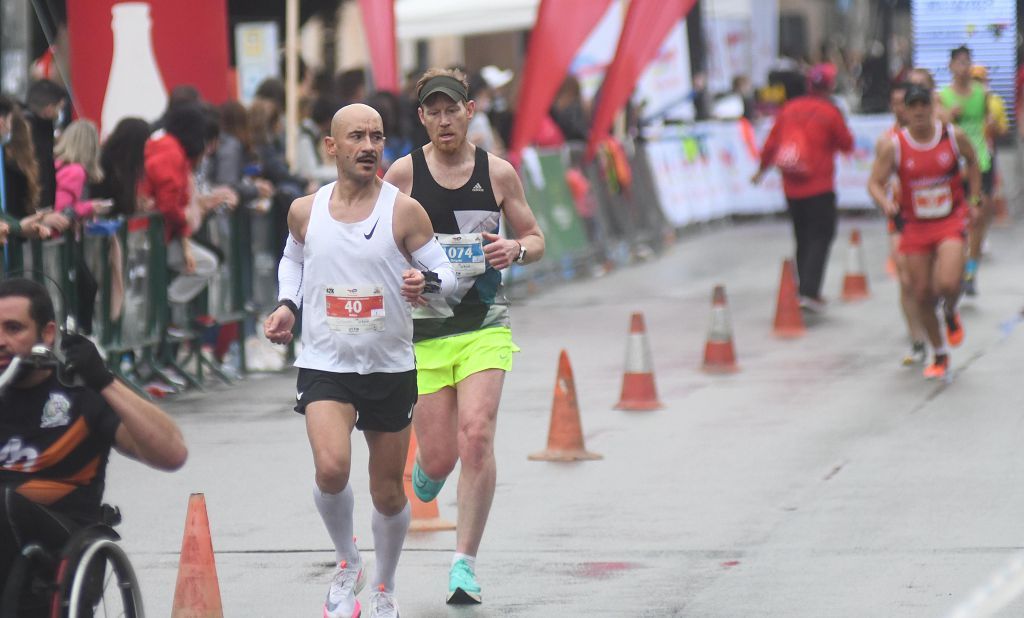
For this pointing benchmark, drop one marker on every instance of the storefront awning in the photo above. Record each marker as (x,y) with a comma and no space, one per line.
(424,19)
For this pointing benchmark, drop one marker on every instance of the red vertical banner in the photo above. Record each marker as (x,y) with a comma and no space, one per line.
(379,27)
(647,24)
(561,28)
(127,56)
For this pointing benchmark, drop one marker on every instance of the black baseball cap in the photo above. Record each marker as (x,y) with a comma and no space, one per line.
(916,93)
(453,88)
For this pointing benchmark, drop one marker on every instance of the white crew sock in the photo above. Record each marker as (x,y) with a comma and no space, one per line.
(388,538)
(336,511)
(470,560)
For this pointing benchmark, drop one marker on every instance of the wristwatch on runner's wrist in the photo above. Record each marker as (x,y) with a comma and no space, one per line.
(522,254)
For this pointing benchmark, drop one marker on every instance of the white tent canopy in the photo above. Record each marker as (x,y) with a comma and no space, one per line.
(424,19)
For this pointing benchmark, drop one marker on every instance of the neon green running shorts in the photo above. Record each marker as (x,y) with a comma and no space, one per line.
(446,361)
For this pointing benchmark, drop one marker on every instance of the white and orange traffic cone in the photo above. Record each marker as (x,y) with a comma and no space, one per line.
(855,283)
(638,390)
(565,434)
(788,321)
(719,356)
(425,515)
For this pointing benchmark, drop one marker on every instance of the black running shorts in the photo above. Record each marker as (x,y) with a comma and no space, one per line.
(383,401)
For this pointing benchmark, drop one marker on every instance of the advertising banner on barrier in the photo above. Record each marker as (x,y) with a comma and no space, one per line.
(702,171)
(552,203)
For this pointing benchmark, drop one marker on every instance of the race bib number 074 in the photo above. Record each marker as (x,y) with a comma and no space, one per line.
(465,252)
(355,310)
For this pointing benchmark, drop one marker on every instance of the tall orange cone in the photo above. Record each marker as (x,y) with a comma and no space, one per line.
(719,356)
(197,593)
(855,283)
(425,516)
(638,390)
(788,321)
(565,435)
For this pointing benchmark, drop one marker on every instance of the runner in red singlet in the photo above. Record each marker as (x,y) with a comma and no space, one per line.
(917,352)
(925,156)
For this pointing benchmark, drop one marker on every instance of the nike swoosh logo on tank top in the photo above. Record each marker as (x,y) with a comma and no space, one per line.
(370,235)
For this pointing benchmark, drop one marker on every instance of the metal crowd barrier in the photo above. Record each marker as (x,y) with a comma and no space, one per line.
(626,224)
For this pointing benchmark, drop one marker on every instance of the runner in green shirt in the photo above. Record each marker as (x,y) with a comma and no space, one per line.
(965,103)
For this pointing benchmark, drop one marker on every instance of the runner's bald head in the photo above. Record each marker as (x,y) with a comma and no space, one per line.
(355,113)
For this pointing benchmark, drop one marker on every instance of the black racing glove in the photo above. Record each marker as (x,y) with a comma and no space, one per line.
(81,358)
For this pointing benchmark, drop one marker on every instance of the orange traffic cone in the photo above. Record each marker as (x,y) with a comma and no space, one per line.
(719,356)
(788,321)
(855,283)
(425,516)
(565,435)
(197,593)
(638,390)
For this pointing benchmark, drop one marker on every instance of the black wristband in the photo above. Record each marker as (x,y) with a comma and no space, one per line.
(431,282)
(287,302)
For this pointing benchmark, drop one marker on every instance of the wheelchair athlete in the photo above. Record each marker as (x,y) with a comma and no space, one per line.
(55,438)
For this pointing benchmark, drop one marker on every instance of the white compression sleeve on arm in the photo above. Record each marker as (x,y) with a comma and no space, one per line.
(432,257)
(289,272)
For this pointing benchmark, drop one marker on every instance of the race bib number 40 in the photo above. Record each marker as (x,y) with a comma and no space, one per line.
(933,202)
(355,310)
(465,252)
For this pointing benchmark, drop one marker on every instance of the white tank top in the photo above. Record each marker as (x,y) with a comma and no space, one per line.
(354,318)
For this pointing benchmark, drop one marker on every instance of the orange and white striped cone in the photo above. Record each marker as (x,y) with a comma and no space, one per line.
(638,390)
(425,516)
(719,356)
(855,283)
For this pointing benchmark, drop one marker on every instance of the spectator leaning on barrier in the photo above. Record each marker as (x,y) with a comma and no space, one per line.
(122,161)
(234,154)
(20,174)
(265,123)
(170,157)
(808,132)
(45,102)
(76,161)
(209,195)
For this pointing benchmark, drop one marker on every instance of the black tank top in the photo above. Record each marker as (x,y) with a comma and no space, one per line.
(479,302)
(442,203)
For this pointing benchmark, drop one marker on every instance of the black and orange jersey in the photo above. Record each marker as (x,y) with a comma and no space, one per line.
(54,445)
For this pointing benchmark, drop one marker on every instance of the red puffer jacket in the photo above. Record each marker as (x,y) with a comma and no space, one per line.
(166,180)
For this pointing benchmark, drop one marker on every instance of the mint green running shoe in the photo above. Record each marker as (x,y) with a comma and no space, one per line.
(425,487)
(462,586)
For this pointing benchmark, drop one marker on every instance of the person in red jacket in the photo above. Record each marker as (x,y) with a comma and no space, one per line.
(170,157)
(808,132)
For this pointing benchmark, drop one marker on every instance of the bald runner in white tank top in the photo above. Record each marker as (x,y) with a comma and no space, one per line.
(355,318)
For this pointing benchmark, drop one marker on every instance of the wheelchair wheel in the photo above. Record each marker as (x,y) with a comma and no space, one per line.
(101,583)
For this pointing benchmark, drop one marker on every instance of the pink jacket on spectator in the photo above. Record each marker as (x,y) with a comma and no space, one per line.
(71,179)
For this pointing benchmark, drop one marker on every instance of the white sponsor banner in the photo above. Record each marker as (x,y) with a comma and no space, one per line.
(665,87)
(730,46)
(665,84)
(702,172)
